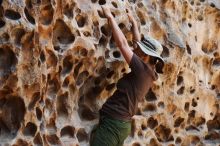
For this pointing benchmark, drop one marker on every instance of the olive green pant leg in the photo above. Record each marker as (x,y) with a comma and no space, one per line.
(103,137)
(110,132)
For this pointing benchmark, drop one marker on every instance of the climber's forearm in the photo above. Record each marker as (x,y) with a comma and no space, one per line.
(120,40)
(135,31)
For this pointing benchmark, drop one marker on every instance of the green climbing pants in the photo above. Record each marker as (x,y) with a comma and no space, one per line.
(110,132)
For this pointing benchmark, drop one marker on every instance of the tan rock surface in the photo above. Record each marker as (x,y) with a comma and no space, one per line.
(59,63)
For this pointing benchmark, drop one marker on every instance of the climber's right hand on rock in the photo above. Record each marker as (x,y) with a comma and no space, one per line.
(106,11)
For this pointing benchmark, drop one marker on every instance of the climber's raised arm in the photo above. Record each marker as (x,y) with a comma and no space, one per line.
(118,35)
(135,31)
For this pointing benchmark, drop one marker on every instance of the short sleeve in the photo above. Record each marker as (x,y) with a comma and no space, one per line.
(136,64)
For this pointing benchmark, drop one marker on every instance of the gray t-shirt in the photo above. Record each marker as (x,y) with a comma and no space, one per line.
(131,89)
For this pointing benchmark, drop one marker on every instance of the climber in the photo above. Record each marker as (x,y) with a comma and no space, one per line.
(116,113)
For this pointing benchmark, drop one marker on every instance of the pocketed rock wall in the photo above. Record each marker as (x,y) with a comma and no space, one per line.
(59,63)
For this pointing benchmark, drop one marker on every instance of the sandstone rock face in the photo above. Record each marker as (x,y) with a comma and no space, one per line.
(59,63)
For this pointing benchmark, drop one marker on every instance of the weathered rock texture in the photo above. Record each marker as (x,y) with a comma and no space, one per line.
(59,63)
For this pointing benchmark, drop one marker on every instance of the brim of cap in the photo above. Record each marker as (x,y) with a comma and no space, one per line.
(149,51)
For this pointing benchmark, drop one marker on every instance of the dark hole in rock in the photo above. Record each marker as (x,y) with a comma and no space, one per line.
(35,98)
(98,80)
(192,114)
(116,54)
(199,121)
(136,144)
(178,121)
(140,133)
(191,128)
(218,95)
(53,139)
(67,131)
(81,20)
(200,17)
(57,48)
(96,90)
(188,49)
(194,103)
(181,90)
(102,2)
(38,113)
(42,56)
(110,74)
(165,52)
(140,4)
(30,129)
(212,136)
(154,142)
(82,77)
(66,82)
(159,67)
(2,23)
(68,10)
(100,13)
(1,2)
(179,80)
(178,140)
(20,142)
(67,65)
(190,25)
(53,87)
(103,40)
(86,113)
(163,133)
(8,62)
(141,17)
(213,87)
(121,25)
(58,33)
(94,1)
(83,52)
(86,33)
(46,14)
(17,34)
(77,68)
(152,123)
(214,124)
(115,4)
(150,107)
(192,90)
(143,126)
(123,70)
(51,59)
(216,62)
(63,106)
(28,16)
(212,5)
(11,14)
(12,115)
(105,30)
(161,104)
(95,28)
(38,140)
(82,135)
(51,125)
(110,86)
(150,96)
